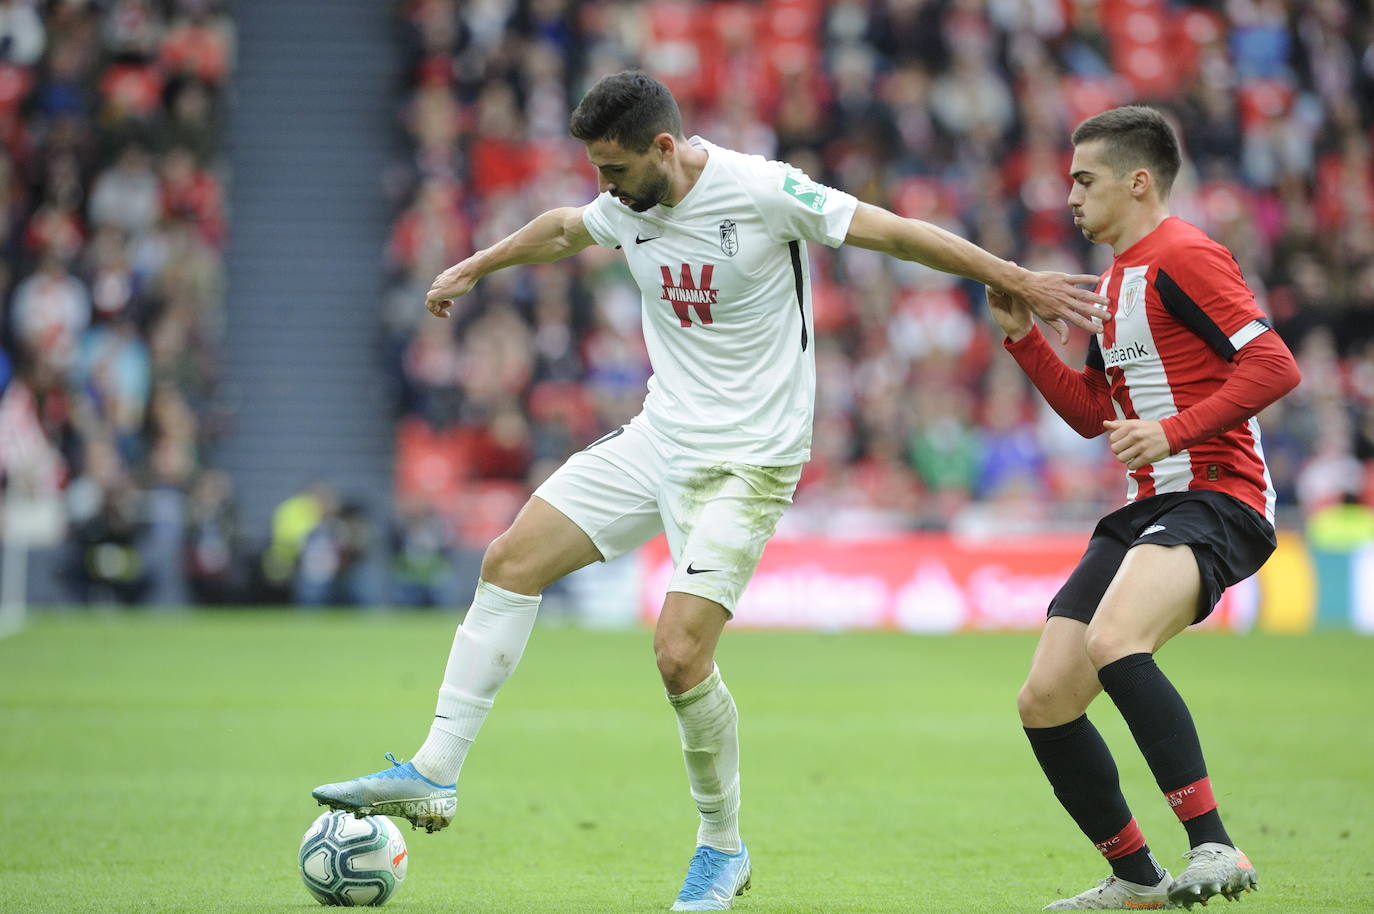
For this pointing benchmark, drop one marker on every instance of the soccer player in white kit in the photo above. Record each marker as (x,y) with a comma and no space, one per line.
(715,241)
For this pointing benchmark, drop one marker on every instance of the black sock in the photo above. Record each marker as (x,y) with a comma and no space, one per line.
(1163,729)
(1139,867)
(1206,827)
(1081,770)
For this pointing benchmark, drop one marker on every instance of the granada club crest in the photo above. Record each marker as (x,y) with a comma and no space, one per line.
(729,238)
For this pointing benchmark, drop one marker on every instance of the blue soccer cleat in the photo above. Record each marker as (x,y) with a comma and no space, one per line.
(398,791)
(713,880)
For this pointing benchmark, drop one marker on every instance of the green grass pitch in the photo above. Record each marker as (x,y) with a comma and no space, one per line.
(157,764)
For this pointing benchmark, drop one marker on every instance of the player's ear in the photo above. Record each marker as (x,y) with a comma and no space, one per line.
(1141,182)
(665,144)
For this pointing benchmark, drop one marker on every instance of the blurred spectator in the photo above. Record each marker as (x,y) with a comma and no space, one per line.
(164,543)
(213,546)
(199,44)
(192,193)
(126,194)
(21,32)
(106,513)
(422,549)
(50,311)
(329,571)
(1343,526)
(293,521)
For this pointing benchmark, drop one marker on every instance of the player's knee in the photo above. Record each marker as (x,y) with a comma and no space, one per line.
(1049,700)
(680,664)
(507,566)
(1105,645)
(1034,705)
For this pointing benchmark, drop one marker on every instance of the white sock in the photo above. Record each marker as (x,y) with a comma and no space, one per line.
(486,649)
(708,723)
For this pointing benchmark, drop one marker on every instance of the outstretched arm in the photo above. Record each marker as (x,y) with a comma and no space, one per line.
(550,236)
(1053,297)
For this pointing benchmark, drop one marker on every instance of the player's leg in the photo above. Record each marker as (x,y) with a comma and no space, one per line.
(707,719)
(1154,596)
(592,507)
(540,546)
(718,519)
(708,727)
(1053,703)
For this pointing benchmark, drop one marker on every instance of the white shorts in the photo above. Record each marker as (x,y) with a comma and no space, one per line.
(633,484)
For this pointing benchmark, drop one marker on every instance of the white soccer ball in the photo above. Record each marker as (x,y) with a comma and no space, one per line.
(350,861)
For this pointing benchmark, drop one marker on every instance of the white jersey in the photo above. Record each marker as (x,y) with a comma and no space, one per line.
(727,303)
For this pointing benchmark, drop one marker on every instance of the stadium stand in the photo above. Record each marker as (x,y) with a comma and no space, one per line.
(112,274)
(113,179)
(954,111)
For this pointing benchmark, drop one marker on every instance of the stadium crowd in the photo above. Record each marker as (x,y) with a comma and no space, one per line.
(953,111)
(111,229)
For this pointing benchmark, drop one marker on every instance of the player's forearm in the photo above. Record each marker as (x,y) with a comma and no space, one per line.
(545,238)
(1081,398)
(1265,371)
(935,247)
(879,230)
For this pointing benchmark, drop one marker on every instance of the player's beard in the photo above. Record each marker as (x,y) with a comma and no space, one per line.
(651,195)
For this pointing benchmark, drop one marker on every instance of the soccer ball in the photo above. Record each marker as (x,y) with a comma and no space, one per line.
(350,861)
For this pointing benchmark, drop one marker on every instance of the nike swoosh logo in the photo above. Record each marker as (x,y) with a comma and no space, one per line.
(639,240)
(691,570)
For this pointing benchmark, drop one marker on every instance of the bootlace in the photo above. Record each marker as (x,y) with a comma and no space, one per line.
(701,872)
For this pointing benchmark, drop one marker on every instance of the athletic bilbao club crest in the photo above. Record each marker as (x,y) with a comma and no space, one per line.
(1132,293)
(729,238)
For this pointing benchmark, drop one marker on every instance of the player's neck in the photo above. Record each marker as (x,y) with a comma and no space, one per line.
(1141,224)
(691,161)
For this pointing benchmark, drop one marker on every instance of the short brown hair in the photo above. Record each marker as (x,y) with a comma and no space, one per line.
(629,108)
(1135,137)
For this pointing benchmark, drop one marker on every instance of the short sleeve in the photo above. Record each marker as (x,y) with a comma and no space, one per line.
(1202,286)
(795,208)
(602,221)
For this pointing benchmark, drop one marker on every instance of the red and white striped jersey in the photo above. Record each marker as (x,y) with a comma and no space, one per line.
(1180,313)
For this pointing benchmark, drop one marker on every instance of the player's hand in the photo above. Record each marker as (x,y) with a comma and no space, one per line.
(453,283)
(1137,442)
(1056,298)
(1010,313)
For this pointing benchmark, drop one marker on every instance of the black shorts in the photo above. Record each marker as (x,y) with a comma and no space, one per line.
(1229,539)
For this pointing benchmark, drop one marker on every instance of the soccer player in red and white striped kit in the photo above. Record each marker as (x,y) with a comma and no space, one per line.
(1175,379)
